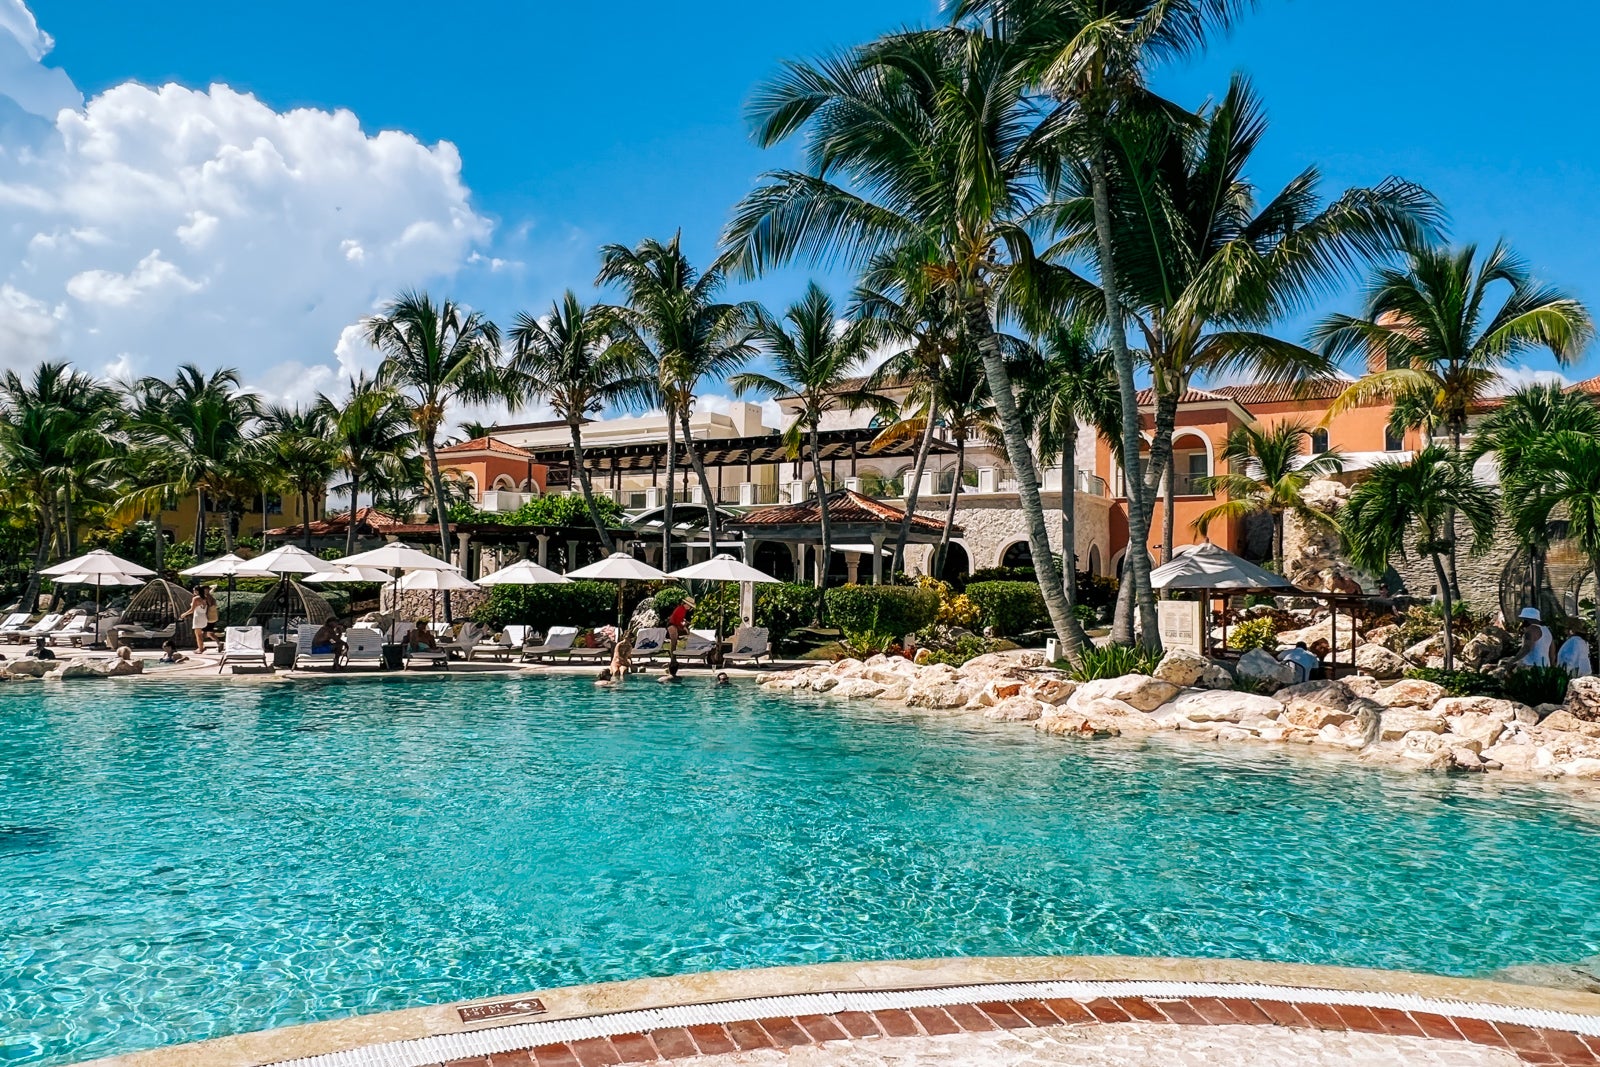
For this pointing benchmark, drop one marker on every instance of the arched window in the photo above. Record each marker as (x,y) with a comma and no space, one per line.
(1392,441)
(1319,441)
(1094,559)
(956,564)
(1017,554)
(505,483)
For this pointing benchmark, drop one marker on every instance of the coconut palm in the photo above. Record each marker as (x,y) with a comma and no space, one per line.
(1268,470)
(368,424)
(671,318)
(1558,477)
(299,448)
(436,355)
(922,147)
(567,359)
(1068,379)
(1444,340)
(813,360)
(1094,56)
(1207,263)
(1418,498)
(193,434)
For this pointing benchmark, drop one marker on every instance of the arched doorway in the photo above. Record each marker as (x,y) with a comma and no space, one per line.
(957,564)
(1094,559)
(774,558)
(1017,554)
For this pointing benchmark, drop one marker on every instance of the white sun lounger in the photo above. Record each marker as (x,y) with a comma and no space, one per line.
(650,642)
(506,644)
(697,644)
(465,640)
(750,643)
(432,657)
(558,642)
(243,646)
(363,646)
(303,656)
(76,629)
(14,623)
(43,628)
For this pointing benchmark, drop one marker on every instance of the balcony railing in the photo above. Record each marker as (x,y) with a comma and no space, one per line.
(501,500)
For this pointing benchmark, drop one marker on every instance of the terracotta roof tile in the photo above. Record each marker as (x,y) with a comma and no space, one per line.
(1279,393)
(844,506)
(486,444)
(1588,385)
(371,518)
(1190,396)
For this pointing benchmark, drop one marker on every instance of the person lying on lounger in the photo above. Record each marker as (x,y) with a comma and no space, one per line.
(328,639)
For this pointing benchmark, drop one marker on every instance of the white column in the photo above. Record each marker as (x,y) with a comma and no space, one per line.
(544,549)
(877,558)
(852,567)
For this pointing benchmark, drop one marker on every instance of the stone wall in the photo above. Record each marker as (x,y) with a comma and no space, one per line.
(992,522)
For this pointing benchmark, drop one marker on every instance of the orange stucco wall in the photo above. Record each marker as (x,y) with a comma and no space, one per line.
(486,469)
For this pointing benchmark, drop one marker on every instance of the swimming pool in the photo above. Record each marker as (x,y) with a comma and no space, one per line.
(182,862)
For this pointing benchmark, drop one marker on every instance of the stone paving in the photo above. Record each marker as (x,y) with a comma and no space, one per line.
(1131,1031)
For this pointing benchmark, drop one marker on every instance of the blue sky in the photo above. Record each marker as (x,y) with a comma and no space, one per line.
(582,124)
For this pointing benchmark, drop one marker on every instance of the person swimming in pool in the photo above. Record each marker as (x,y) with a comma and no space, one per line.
(670,675)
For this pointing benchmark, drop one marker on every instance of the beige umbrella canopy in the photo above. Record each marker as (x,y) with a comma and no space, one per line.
(621,568)
(1206,566)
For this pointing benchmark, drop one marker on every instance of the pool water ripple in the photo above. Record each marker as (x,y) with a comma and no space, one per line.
(332,849)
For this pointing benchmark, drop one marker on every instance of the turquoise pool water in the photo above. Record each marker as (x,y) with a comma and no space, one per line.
(177,863)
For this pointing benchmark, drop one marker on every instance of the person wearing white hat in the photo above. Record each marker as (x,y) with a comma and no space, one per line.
(1536,639)
(1574,655)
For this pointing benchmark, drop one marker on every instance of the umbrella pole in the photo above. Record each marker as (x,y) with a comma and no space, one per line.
(97,580)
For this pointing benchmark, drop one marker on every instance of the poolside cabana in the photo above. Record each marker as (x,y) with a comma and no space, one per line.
(858,525)
(302,603)
(1209,570)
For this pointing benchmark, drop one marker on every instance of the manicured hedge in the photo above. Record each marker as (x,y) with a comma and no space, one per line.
(884,610)
(780,609)
(543,606)
(1012,608)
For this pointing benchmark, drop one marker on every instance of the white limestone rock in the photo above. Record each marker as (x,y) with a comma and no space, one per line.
(1481,728)
(1379,662)
(1409,693)
(857,689)
(1583,699)
(1016,709)
(1214,706)
(1396,723)
(1182,667)
(1313,705)
(1140,690)
(938,694)
(1262,666)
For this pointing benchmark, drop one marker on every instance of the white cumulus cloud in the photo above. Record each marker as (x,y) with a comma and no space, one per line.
(158,225)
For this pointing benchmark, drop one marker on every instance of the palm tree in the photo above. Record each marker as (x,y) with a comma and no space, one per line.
(300,449)
(1268,469)
(369,424)
(1443,339)
(1094,56)
(195,436)
(944,160)
(813,360)
(568,359)
(435,355)
(1207,265)
(1068,379)
(1558,476)
(1420,498)
(671,317)
(49,425)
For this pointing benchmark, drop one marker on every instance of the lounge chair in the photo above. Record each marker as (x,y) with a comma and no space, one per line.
(243,646)
(137,633)
(76,629)
(750,643)
(650,642)
(697,644)
(304,658)
(14,623)
(433,657)
(43,628)
(596,653)
(558,642)
(363,646)
(504,645)
(464,640)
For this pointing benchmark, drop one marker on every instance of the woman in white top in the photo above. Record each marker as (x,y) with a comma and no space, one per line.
(1574,656)
(1536,639)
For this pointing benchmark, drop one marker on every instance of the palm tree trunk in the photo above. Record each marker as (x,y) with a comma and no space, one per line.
(588,490)
(1069,515)
(1596,610)
(305,520)
(71,527)
(1450,517)
(199,525)
(666,507)
(950,510)
(897,563)
(705,483)
(1020,453)
(350,527)
(822,507)
(440,512)
(1168,497)
(41,554)
(1449,610)
(1136,567)
(1277,541)
(1159,473)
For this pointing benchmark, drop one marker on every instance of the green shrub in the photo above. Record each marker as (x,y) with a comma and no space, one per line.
(1012,608)
(1113,661)
(1086,615)
(579,603)
(882,610)
(1536,685)
(965,647)
(1254,633)
(670,598)
(785,607)
(563,510)
(1458,683)
(238,611)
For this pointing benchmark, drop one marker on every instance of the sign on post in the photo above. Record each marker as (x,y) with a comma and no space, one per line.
(1179,623)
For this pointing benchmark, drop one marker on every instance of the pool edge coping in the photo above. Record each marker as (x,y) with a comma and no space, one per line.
(330,1037)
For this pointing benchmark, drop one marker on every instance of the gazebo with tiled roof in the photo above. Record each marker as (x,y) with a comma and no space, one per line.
(856,523)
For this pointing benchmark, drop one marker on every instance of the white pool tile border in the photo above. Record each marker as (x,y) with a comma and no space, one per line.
(421,1052)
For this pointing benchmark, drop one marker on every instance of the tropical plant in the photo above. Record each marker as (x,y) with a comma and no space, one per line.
(436,355)
(1418,498)
(193,435)
(1443,342)
(1526,417)
(367,425)
(813,359)
(568,360)
(1114,661)
(923,148)
(1558,477)
(889,611)
(300,451)
(672,321)
(1254,633)
(1011,608)
(1268,470)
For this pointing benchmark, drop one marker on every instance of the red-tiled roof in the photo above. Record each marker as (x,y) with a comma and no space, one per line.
(486,444)
(1190,396)
(1588,385)
(844,506)
(371,518)
(1279,393)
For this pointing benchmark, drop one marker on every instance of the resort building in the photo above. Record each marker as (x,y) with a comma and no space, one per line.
(177,522)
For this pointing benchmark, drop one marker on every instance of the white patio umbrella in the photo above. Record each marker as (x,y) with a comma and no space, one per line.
(524,572)
(621,568)
(230,567)
(98,568)
(1206,568)
(99,581)
(396,558)
(721,568)
(348,574)
(290,559)
(435,582)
